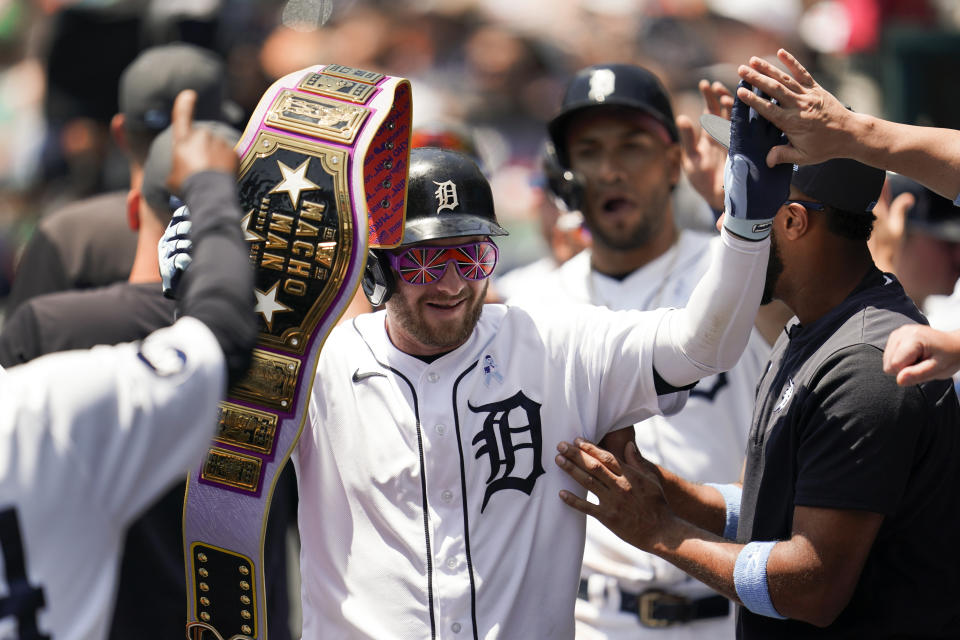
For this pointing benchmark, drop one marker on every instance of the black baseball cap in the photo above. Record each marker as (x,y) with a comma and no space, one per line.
(841,183)
(931,213)
(149,85)
(160,161)
(621,85)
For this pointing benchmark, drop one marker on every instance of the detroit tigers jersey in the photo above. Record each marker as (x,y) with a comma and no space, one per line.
(429,500)
(87,440)
(703,442)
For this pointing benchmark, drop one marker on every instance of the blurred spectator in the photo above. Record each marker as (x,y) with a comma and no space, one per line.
(927,258)
(91,242)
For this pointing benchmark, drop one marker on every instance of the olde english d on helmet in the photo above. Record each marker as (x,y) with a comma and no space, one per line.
(447,197)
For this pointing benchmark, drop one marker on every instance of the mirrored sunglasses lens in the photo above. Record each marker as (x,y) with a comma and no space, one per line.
(476,261)
(420,265)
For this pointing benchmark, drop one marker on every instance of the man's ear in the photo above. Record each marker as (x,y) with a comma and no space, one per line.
(117,131)
(796,220)
(133,209)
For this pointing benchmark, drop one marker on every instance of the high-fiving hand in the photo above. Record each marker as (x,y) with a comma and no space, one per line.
(753,191)
(810,116)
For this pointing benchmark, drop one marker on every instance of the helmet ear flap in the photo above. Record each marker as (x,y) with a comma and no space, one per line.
(564,183)
(378,281)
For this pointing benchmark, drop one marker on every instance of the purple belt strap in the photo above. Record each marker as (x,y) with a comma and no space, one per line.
(323,177)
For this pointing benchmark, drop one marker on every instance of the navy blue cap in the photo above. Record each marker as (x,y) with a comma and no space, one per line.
(622,85)
(841,183)
(150,84)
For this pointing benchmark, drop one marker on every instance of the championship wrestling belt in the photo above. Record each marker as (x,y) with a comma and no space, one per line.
(323,176)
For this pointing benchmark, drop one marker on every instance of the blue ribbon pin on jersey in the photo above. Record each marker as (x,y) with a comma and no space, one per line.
(490,370)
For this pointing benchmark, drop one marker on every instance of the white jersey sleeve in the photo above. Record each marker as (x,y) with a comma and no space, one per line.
(127,420)
(709,334)
(604,360)
(90,438)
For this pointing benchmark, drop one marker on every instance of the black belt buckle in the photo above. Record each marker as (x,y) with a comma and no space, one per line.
(648,601)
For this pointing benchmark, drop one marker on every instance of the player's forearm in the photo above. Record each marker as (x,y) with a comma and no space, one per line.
(709,334)
(701,554)
(793,584)
(219,285)
(928,155)
(698,504)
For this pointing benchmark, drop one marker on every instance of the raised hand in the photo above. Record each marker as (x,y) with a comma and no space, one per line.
(811,117)
(886,241)
(195,149)
(753,191)
(703,158)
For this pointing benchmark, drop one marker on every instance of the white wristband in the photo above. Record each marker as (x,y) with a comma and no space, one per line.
(750,579)
(731,497)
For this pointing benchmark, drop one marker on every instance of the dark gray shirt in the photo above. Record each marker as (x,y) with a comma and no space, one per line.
(831,430)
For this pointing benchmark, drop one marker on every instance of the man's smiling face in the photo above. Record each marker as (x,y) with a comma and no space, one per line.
(437,317)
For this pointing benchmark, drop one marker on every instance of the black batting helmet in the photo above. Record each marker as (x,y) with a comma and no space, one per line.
(622,85)
(447,197)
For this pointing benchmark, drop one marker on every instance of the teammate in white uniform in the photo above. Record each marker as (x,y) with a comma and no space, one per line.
(91,438)
(428,504)
(625,198)
(706,440)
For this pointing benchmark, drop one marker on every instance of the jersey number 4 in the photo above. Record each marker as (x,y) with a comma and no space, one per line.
(23,601)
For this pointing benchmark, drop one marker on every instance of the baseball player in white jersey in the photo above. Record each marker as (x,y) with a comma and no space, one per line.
(642,261)
(706,439)
(428,505)
(89,438)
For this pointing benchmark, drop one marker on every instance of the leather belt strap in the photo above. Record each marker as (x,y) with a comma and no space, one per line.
(323,177)
(658,609)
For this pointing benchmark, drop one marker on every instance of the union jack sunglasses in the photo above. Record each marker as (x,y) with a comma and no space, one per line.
(425,264)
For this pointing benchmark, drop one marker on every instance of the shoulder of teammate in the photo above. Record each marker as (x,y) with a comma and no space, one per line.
(98,417)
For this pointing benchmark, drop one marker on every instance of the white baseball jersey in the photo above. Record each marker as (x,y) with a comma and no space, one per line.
(88,439)
(429,500)
(703,442)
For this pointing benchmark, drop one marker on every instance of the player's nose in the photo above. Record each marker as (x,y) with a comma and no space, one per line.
(451,282)
(609,169)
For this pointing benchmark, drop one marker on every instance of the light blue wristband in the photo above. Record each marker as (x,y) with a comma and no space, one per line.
(956,201)
(750,579)
(731,496)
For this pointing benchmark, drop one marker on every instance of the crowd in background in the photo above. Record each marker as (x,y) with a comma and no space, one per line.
(496,65)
